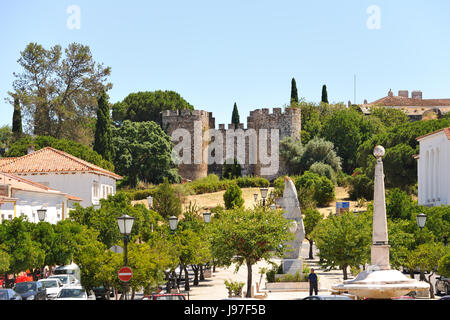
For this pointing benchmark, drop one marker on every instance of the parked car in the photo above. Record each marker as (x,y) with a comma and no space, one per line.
(403,298)
(31,290)
(71,269)
(165,296)
(53,287)
(9,294)
(66,279)
(442,285)
(327,297)
(445,298)
(74,293)
(100,293)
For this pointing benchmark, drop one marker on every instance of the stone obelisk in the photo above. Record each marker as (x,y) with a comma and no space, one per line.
(292,261)
(380,246)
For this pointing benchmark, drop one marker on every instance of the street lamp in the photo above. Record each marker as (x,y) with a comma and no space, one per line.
(125,224)
(41,214)
(173,222)
(255,195)
(264,194)
(150,202)
(207,216)
(421,220)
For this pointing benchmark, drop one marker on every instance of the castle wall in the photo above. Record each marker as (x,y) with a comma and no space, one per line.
(288,123)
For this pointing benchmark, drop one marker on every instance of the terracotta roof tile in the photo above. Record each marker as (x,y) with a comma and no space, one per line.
(52,160)
(403,101)
(446,131)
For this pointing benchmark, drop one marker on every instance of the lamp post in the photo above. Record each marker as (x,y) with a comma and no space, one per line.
(173,223)
(41,214)
(421,219)
(150,202)
(264,194)
(207,216)
(125,224)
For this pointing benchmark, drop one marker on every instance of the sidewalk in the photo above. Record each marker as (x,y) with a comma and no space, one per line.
(214,289)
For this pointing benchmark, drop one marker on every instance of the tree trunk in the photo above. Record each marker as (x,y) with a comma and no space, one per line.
(431,285)
(344,269)
(311,249)
(249,280)
(202,276)
(186,279)
(195,268)
(422,275)
(411,273)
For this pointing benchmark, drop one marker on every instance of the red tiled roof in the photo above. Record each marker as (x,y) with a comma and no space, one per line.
(446,131)
(52,160)
(404,102)
(20,183)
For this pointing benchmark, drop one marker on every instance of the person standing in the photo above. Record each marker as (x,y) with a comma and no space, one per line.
(312,279)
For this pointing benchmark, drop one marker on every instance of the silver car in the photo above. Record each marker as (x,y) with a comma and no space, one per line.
(74,293)
(66,279)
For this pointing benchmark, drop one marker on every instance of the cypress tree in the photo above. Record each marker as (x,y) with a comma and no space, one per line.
(235,116)
(103,130)
(324,94)
(17,119)
(294,94)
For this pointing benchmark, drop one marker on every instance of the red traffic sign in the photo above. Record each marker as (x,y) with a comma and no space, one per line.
(125,274)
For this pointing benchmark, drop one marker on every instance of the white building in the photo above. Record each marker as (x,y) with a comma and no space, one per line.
(433,168)
(62,171)
(22,198)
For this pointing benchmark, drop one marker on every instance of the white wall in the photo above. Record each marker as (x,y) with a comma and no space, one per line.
(76,184)
(433,170)
(28,203)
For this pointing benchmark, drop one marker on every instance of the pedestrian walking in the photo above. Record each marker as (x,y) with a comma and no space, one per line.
(312,279)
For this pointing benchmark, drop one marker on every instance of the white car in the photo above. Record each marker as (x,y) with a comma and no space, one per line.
(53,286)
(74,293)
(66,279)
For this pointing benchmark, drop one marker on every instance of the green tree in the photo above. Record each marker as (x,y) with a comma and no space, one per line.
(5,138)
(324,94)
(312,217)
(444,266)
(165,201)
(58,92)
(231,170)
(103,131)
(344,240)
(143,151)
(398,204)
(147,106)
(426,257)
(248,236)
(17,120)
(322,186)
(294,93)
(233,197)
(235,116)
(19,148)
(390,117)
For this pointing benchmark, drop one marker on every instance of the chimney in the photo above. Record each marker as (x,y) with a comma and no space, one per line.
(30,149)
(403,93)
(417,94)
(390,93)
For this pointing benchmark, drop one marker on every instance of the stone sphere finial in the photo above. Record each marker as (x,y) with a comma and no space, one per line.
(379,152)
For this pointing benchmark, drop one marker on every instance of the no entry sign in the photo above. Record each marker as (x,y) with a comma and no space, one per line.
(125,274)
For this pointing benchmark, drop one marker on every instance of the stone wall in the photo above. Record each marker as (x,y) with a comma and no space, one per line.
(288,123)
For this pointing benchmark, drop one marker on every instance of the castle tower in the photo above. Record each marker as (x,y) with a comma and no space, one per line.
(190,126)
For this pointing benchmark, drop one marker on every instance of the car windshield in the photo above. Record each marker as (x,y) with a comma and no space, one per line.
(24,287)
(72,293)
(50,284)
(3,295)
(64,279)
(169,298)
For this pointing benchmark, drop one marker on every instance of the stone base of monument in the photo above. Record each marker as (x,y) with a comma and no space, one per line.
(292,266)
(287,286)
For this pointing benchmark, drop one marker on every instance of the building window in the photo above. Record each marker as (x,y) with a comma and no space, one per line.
(96,189)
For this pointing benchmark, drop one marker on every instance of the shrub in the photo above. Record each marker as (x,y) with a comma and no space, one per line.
(360,186)
(233,197)
(231,170)
(322,187)
(325,170)
(234,288)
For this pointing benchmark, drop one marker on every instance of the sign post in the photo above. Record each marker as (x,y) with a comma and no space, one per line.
(125,274)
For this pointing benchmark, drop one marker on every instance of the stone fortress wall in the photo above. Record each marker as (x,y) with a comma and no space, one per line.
(287,122)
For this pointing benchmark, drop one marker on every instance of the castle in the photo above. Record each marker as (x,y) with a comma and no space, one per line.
(202,149)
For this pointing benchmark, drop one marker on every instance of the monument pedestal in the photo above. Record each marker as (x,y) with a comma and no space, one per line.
(292,266)
(379,256)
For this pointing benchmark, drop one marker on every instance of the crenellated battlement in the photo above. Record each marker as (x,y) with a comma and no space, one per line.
(287,121)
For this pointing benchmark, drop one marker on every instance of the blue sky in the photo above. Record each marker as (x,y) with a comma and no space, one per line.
(215,53)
